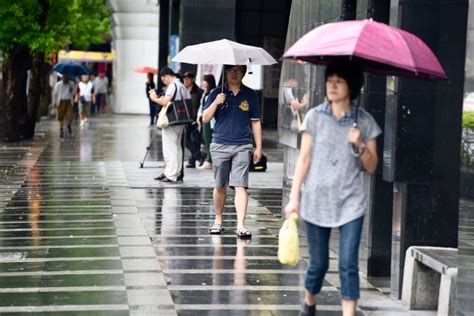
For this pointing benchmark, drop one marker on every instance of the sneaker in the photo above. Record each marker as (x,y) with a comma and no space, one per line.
(308,310)
(205,166)
(160,177)
(191,164)
(168,180)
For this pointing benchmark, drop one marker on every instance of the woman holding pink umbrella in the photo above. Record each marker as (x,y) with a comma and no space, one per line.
(333,195)
(338,139)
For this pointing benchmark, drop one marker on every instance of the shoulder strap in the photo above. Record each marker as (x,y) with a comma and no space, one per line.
(175,90)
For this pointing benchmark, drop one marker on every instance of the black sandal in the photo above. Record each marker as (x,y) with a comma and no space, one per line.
(243,232)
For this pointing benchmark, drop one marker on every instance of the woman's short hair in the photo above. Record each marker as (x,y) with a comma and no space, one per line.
(350,71)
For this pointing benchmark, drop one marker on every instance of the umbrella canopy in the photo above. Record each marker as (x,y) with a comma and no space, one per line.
(146,70)
(377,47)
(70,68)
(224,52)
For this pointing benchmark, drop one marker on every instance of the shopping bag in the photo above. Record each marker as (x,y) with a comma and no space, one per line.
(180,112)
(162,121)
(288,244)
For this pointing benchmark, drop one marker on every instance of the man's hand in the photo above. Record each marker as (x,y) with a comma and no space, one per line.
(220,99)
(257,155)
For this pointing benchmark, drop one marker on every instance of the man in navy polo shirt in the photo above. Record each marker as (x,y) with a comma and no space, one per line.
(237,114)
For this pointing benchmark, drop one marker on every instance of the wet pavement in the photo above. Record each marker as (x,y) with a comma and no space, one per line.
(85,231)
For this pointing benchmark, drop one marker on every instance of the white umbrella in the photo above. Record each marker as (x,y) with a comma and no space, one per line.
(224,52)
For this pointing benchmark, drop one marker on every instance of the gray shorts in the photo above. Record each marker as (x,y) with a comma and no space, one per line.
(84,108)
(231,165)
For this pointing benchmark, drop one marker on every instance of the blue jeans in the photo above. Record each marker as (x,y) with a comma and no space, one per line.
(318,243)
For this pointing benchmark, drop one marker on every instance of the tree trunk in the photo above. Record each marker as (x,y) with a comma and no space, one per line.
(46,92)
(35,90)
(14,117)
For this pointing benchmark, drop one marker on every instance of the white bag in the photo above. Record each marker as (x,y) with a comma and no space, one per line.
(162,121)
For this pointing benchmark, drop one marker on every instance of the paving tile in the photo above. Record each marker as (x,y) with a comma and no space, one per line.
(98,236)
(144,279)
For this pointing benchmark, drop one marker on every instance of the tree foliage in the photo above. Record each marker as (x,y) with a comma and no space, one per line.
(30,30)
(468,119)
(48,25)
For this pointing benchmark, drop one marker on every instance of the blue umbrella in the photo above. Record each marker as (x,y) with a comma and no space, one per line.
(70,68)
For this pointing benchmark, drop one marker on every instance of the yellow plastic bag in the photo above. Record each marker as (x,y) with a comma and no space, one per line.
(288,244)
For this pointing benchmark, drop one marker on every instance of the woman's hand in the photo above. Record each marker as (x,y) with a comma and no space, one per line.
(198,121)
(354,136)
(293,206)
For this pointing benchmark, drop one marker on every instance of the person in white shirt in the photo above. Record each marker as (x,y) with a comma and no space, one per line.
(63,100)
(172,136)
(85,98)
(101,87)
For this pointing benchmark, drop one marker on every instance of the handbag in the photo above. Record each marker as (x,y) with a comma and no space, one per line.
(162,121)
(288,243)
(295,122)
(176,112)
(180,111)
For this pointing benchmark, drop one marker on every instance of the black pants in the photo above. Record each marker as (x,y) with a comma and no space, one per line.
(153,112)
(193,142)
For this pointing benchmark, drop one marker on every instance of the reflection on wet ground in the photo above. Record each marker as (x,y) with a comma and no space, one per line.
(85,231)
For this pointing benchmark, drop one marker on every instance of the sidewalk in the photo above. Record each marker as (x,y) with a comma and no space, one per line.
(85,230)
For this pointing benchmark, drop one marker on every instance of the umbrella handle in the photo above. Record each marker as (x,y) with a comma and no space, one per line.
(354,150)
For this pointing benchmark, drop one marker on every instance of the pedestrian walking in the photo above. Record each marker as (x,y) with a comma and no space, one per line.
(193,135)
(101,88)
(63,100)
(150,85)
(172,136)
(84,99)
(208,84)
(236,110)
(331,154)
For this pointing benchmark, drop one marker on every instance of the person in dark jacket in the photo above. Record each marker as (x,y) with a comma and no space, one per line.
(193,135)
(150,85)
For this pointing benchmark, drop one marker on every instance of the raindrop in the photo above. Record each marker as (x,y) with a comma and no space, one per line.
(203,284)
(258,281)
(284,295)
(258,299)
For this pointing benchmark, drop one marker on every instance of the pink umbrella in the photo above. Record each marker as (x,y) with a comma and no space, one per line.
(377,47)
(146,69)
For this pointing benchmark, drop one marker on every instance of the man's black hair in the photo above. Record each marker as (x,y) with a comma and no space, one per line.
(227,67)
(349,71)
(166,71)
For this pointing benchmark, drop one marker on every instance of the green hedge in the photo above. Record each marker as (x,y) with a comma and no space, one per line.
(468,119)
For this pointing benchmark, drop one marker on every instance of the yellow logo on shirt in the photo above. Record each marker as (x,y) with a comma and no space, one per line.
(244,106)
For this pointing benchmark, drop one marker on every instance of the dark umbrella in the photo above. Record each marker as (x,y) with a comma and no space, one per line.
(70,68)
